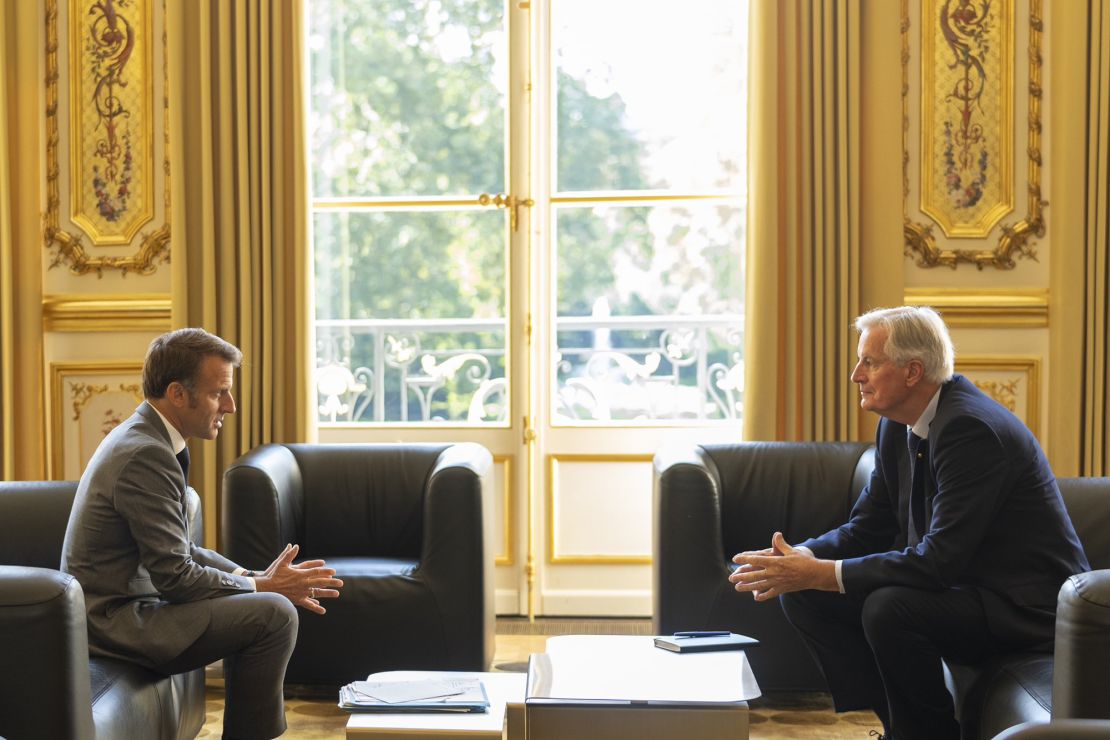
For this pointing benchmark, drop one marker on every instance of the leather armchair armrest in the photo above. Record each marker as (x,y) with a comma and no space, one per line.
(44,655)
(1080,685)
(689,562)
(1067,729)
(457,521)
(457,555)
(262,506)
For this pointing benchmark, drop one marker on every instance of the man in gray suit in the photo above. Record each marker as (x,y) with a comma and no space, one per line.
(155,598)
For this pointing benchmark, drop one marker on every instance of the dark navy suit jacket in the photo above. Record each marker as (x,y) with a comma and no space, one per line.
(995,519)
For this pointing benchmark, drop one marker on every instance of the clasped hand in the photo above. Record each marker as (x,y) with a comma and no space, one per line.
(303,583)
(780,569)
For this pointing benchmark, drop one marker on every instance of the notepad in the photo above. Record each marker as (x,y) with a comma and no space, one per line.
(703,644)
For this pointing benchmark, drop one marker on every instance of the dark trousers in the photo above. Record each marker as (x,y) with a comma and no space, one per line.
(254,634)
(883,651)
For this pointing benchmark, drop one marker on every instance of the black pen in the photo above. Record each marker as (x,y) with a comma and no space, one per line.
(711,633)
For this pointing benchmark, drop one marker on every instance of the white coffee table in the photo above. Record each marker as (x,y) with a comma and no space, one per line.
(622,687)
(502,689)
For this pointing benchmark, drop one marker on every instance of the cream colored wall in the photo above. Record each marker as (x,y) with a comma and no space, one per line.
(90,319)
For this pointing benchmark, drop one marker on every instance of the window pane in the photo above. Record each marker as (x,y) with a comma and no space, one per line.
(650,306)
(410,265)
(407,98)
(651,260)
(410,316)
(650,95)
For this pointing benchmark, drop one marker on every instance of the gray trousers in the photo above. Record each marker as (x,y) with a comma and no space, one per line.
(254,634)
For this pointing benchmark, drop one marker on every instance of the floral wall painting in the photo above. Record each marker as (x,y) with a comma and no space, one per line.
(962,129)
(88,400)
(107,200)
(967,142)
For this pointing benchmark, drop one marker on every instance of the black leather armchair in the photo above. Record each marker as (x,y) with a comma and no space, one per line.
(713,501)
(1074,682)
(405,527)
(49,686)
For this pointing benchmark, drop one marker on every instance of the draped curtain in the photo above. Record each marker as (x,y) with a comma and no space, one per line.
(7,306)
(239,189)
(22,420)
(1095,435)
(804,220)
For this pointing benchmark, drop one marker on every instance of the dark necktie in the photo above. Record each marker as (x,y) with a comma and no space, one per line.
(918,448)
(183,461)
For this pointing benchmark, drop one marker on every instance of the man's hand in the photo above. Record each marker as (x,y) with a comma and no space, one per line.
(780,569)
(304,583)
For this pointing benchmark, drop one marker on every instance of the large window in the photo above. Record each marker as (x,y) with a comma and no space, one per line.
(619,250)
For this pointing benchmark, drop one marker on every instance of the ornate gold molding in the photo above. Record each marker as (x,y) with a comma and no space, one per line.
(88,313)
(81,379)
(556,558)
(919,241)
(68,248)
(507,556)
(984,307)
(1007,392)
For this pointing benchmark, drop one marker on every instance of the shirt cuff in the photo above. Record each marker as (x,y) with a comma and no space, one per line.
(839,566)
(249,574)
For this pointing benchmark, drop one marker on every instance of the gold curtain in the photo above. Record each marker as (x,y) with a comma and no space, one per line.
(804,220)
(22,418)
(1095,435)
(239,188)
(7,304)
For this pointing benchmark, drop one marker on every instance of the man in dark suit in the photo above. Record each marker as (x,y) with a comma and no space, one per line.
(956,549)
(152,596)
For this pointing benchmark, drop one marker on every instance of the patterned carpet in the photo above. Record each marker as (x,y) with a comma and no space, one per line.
(778,716)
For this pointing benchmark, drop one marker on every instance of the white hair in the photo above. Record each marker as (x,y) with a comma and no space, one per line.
(914,333)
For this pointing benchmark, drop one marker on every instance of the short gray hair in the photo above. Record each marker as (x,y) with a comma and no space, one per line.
(914,333)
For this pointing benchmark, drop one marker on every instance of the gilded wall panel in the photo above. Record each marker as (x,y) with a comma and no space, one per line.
(107,167)
(88,400)
(1013,381)
(971,104)
(585,495)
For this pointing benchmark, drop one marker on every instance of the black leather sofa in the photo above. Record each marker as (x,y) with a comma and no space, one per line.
(49,686)
(712,501)
(404,526)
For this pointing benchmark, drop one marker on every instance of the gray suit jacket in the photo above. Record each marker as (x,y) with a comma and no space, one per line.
(147,586)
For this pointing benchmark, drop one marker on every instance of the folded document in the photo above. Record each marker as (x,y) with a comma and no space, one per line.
(430,695)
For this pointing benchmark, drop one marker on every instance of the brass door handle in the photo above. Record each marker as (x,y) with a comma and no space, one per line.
(503,200)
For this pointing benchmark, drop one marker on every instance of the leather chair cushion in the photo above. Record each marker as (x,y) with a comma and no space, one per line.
(1085,500)
(771,486)
(126,697)
(368,504)
(34,537)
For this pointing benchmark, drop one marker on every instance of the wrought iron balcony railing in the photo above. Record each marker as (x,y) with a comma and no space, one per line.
(606,369)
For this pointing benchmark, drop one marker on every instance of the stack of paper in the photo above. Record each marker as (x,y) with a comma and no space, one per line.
(432,695)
